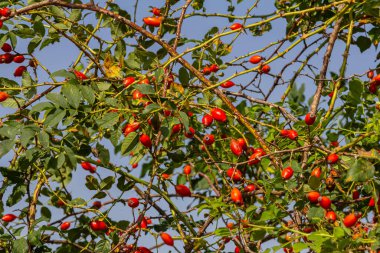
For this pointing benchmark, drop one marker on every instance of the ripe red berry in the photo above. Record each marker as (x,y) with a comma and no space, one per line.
(218,115)
(18,58)
(97,204)
(156,11)
(332,158)
(371,202)
(255,59)
(19,70)
(98,225)
(313,196)
(254,158)
(214,68)
(227,84)
(6,47)
(80,75)
(207,120)
(350,219)
(370,74)
(128,81)
(331,216)
(355,194)
(236,147)
(143,250)
(309,120)
(234,174)
(176,128)
(284,132)
(190,133)
(324,202)
(287,173)
(8,217)
(208,139)
(86,165)
(334,144)
(206,70)
(187,170)
(3,96)
(153,21)
(145,140)
(249,188)
(242,143)
(136,95)
(182,190)
(236,196)
(65,225)
(165,176)
(167,239)
(292,134)
(316,172)
(5,12)
(131,127)
(133,202)
(265,69)
(236,26)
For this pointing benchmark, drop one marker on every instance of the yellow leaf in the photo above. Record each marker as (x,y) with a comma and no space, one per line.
(108,62)
(178,87)
(113,71)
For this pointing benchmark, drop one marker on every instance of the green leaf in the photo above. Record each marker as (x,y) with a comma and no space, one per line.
(185,120)
(88,94)
(103,86)
(53,119)
(75,15)
(338,232)
(77,202)
(72,94)
(107,183)
(151,108)
(355,92)
(63,73)
(27,134)
(360,170)
(315,212)
(20,246)
(184,76)
(103,246)
(33,44)
(34,237)
(26,79)
(363,43)
(146,89)
(129,143)
(6,146)
(124,185)
(108,120)
(314,182)
(57,11)
(104,154)
(299,246)
(91,183)
(222,232)
(58,99)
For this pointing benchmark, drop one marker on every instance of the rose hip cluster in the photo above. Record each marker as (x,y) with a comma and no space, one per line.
(4,12)
(374,83)
(8,58)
